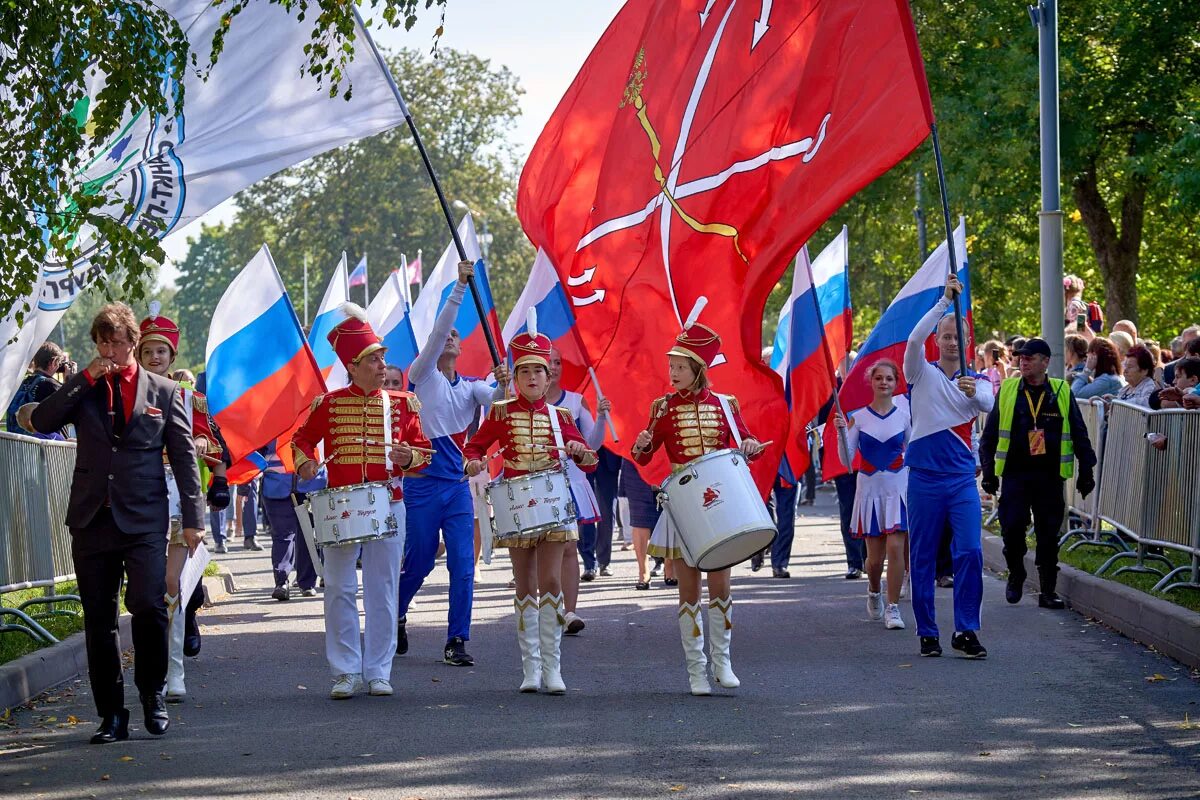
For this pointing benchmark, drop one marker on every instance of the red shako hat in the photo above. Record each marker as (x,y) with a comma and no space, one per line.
(157,328)
(698,342)
(353,338)
(529,346)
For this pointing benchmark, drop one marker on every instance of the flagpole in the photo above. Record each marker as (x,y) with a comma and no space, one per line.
(404,281)
(366,283)
(958,316)
(599,399)
(437,187)
(306,290)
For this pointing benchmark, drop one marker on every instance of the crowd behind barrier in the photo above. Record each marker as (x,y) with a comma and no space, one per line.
(35,545)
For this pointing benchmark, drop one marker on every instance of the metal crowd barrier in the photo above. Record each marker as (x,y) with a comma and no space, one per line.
(35,545)
(1149,495)
(1090,530)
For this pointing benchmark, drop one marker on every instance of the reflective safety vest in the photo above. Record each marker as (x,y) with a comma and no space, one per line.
(1008,403)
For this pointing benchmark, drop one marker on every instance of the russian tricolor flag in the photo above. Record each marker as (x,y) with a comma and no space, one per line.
(389,316)
(816,325)
(890,334)
(474,359)
(544,292)
(261,372)
(329,314)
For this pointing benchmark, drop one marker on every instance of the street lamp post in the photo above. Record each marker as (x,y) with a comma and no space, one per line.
(1050,222)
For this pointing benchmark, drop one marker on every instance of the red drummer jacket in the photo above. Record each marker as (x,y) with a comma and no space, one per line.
(350,423)
(526,437)
(689,425)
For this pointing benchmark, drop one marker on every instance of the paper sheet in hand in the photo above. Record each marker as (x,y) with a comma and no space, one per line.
(193,571)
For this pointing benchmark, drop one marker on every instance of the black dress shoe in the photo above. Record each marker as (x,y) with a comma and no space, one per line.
(1051,600)
(1012,591)
(401,636)
(780,573)
(756,562)
(113,728)
(155,707)
(670,582)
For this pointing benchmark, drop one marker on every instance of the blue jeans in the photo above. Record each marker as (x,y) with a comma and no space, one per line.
(587,545)
(216,524)
(249,514)
(856,549)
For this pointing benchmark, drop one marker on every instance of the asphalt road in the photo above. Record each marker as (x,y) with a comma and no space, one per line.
(831,705)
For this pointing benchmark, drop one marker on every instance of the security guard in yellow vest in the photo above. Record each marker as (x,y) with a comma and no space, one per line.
(1033,436)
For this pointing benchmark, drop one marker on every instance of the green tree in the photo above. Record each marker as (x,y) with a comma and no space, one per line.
(374,196)
(52,53)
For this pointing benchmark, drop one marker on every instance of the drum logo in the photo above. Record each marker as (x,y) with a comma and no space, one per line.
(712,497)
(532,502)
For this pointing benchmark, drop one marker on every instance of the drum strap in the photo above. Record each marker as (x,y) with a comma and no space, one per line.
(387,430)
(733,428)
(556,429)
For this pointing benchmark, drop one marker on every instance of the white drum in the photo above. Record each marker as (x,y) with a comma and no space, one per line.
(352,514)
(530,505)
(718,514)
(174,505)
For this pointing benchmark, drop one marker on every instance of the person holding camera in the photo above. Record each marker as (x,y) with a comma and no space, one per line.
(1033,436)
(49,362)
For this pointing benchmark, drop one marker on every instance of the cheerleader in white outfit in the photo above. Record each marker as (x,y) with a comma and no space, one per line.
(879,434)
(587,508)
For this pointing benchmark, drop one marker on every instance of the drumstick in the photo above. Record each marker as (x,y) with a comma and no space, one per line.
(401,444)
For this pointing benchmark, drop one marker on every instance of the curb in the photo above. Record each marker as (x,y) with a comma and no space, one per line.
(27,677)
(1170,629)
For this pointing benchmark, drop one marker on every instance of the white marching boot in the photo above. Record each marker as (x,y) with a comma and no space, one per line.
(528,638)
(550,622)
(720,631)
(176,691)
(691,633)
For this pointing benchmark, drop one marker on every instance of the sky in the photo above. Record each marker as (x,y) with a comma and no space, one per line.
(541,41)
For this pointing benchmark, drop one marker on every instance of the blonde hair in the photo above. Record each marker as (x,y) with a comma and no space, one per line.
(885,363)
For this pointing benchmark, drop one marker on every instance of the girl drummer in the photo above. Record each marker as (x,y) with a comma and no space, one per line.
(689,423)
(879,433)
(533,436)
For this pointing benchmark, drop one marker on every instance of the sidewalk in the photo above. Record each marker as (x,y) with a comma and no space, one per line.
(831,705)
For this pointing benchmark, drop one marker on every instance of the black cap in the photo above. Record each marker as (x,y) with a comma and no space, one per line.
(1033,347)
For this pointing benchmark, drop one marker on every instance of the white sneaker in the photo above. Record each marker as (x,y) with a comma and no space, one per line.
(892,619)
(874,605)
(905,587)
(575,623)
(379,687)
(345,685)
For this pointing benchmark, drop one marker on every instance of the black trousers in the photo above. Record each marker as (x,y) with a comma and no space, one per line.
(604,483)
(1039,495)
(103,554)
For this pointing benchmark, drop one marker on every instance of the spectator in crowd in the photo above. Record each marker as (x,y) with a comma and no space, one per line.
(1073,293)
(48,361)
(1182,394)
(1014,343)
(1191,348)
(1176,348)
(1127,327)
(1102,375)
(1138,370)
(1075,348)
(995,363)
(1122,341)
(1156,357)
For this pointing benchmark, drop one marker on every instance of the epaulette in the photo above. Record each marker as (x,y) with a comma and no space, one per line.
(316,403)
(199,403)
(499,409)
(659,406)
(413,404)
(565,413)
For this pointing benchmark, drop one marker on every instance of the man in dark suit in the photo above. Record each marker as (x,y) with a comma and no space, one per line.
(124,417)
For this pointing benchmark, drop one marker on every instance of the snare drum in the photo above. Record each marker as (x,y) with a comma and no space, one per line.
(352,514)
(719,517)
(527,506)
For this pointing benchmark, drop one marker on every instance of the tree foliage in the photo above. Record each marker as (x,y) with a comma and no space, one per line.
(70,72)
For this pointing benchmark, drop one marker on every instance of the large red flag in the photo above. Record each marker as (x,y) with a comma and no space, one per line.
(701,144)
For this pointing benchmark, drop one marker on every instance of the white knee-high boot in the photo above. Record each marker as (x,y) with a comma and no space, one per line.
(691,632)
(720,631)
(528,635)
(176,691)
(550,622)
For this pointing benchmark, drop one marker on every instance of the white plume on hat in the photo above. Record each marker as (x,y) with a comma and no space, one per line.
(531,321)
(701,302)
(354,310)
(155,307)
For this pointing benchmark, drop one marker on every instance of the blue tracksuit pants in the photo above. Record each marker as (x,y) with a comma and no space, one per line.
(935,498)
(437,506)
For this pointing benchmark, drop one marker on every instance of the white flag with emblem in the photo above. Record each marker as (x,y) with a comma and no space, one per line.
(256,113)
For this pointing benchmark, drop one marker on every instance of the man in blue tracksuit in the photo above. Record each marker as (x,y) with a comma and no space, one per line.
(439,499)
(941,478)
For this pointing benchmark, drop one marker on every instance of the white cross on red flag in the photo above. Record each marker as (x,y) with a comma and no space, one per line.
(701,144)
